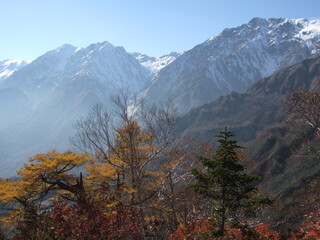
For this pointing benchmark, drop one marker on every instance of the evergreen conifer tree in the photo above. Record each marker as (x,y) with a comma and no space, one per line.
(226,183)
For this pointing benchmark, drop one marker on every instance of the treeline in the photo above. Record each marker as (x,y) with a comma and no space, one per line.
(136,180)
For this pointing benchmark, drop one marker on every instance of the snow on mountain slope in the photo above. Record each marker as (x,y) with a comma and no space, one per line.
(310,30)
(108,65)
(233,60)
(55,90)
(42,75)
(40,101)
(154,65)
(8,67)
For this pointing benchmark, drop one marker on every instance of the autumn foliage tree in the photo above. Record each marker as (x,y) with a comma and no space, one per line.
(49,202)
(303,108)
(125,147)
(126,165)
(46,175)
(303,118)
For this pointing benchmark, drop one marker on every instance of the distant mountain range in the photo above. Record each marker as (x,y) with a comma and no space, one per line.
(233,60)
(42,98)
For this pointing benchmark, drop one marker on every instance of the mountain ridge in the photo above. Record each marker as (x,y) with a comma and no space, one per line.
(263,102)
(234,59)
(43,98)
(55,90)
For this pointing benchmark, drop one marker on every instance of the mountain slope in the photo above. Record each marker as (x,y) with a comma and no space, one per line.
(154,65)
(53,91)
(288,163)
(8,67)
(256,116)
(41,100)
(249,112)
(233,60)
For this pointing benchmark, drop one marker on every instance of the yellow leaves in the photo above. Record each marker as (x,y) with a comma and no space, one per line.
(131,139)
(111,205)
(155,182)
(31,186)
(8,190)
(124,172)
(52,163)
(12,218)
(122,176)
(128,189)
(101,172)
(12,192)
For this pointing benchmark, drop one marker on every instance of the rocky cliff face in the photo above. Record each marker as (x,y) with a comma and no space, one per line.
(233,60)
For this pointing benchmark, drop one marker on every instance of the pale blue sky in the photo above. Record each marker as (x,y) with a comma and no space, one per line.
(29,28)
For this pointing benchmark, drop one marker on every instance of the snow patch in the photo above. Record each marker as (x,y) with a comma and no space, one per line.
(154,65)
(8,67)
(311,30)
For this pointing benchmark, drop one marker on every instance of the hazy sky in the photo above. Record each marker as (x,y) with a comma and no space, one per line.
(29,28)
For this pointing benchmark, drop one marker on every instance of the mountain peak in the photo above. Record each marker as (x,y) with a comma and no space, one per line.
(234,59)
(100,46)
(66,48)
(258,20)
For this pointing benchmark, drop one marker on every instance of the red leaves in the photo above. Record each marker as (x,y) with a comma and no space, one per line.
(202,229)
(310,228)
(79,223)
(265,233)
(191,230)
(82,222)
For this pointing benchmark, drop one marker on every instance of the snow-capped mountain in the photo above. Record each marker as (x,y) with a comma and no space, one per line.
(42,100)
(153,64)
(42,75)
(7,67)
(108,65)
(233,60)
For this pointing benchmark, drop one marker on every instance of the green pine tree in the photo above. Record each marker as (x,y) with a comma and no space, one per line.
(226,183)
